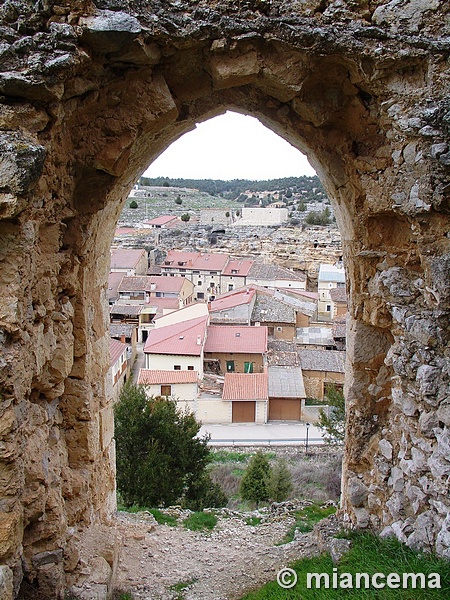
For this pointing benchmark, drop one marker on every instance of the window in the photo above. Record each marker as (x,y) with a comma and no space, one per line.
(200,295)
(166,390)
(341,284)
(279,329)
(190,368)
(213,272)
(212,284)
(328,307)
(159,294)
(248,367)
(230,366)
(199,283)
(234,271)
(195,272)
(177,367)
(230,287)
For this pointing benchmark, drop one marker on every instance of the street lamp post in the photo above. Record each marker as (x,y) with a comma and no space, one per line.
(307,437)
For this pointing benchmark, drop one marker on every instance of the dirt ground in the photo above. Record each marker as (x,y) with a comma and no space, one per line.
(220,565)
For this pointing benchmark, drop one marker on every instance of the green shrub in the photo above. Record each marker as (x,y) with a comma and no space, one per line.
(203,492)
(162,518)
(279,484)
(254,482)
(133,204)
(158,453)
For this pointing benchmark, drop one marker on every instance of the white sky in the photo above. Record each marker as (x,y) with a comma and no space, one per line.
(230,146)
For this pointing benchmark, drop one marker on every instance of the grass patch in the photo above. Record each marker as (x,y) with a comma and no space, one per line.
(306,518)
(163,519)
(369,554)
(253,521)
(226,456)
(181,586)
(200,521)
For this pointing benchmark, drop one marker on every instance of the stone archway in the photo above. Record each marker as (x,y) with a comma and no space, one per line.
(90,96)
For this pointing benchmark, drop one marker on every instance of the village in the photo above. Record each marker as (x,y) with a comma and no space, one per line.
(205,310)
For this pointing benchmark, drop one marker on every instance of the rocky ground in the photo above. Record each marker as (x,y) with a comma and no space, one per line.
(159,562)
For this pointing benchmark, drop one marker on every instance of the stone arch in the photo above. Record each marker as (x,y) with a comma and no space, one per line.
(90,96)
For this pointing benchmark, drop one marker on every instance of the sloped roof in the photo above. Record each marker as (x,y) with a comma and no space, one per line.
(157,377)
(241,266)
(210,262)
(114,280)
(126,309)
(241,339)
(286,382)
(117,330)
(322,360)
(178,339)
(126,258)
(271,272)
(152,283)
(245,386)
(162,220)
(268,309)
(232,299)
(116,349)
(331,273)
(338,294)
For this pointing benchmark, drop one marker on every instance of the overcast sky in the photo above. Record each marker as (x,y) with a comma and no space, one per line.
(230,146)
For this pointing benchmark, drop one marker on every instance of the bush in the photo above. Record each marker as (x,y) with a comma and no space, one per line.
(334,423)
(159,456)
(315,218)
(186,217)
(279,484)
(133,204)
(204,493)
(253,486)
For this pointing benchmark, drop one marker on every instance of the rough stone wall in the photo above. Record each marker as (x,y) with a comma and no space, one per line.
(89,96)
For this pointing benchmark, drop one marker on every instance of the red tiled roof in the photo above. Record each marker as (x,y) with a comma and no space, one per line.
(245,386)
(114,280)
(116,349)
(179,338)
(161,303)
(162,220)
(156,377)
(122,258)
(196,261)
(241,339)
(152,283)
(238,297)
(241,266)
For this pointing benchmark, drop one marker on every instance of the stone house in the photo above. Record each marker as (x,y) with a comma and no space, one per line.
(162,222)
(145,288)
(240,349)
(338,297)
(273,276)
(234,275)
(278,317)
(129,261)
(202,269)
(233,308)
(322,369)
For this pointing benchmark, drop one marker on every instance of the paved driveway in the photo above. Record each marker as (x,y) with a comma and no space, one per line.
(280,433)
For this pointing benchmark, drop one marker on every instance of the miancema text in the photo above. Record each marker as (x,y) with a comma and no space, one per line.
(377,580)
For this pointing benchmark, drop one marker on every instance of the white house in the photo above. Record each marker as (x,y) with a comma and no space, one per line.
(330,277)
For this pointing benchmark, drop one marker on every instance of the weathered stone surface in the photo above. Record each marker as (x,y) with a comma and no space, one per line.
(6,583)
(90,95)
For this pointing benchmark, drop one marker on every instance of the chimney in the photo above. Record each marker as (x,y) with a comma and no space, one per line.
(153,287)
(122,339)
(199,340)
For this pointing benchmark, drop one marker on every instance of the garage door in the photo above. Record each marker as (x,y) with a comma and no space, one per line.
(244,412)
(281,409)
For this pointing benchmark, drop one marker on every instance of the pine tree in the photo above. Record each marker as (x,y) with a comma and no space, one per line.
(334,423)
(253,486)
(279,485)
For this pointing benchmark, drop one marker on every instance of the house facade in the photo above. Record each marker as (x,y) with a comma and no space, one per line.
(322,369)
(330,277)
(233,308)
(118,370)
(248,394)
(273,276)
(129,261)
(234,275)
(237,349)
(181,386)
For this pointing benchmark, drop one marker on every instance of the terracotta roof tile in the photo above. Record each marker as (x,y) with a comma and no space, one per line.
(238,297)
(157,377)
(126,258)
(245,386)
(162,220)
(240,339)
(185,338)
(242,267)
(116,349)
